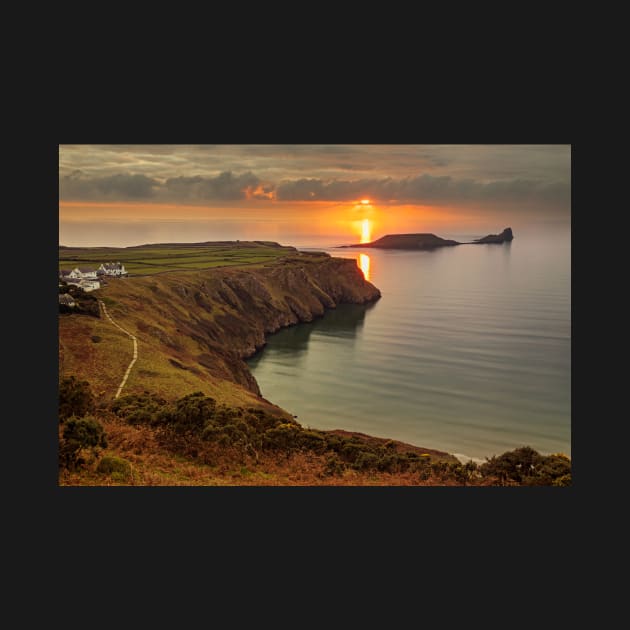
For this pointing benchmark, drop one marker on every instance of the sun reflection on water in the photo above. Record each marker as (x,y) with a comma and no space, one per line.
(364,265)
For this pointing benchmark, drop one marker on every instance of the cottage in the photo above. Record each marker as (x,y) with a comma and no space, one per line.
(112,269)
(67,300)
(80,273)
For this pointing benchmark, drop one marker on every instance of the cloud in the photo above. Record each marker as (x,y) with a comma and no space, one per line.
(225,186)
(128,186)
(414,174)
(77,185)
(423,189)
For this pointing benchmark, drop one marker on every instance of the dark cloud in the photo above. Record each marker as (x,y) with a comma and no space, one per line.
(224,186)
(423,189)
(77,185)
(420,174)
(127,186)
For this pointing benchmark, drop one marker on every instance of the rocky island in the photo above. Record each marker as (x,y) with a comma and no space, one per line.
(505,237)
(430,241)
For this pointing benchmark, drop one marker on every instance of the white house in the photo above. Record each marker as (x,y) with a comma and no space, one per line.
(83,273)
(112,269)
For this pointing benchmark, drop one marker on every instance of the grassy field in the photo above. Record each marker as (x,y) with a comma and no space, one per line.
(151,259)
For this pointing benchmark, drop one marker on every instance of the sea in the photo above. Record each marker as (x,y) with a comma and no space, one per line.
(468,350)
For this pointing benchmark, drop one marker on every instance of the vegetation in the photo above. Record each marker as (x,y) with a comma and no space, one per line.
(524,466)
(117,468)
(75,398)
(78,435)
(196,427)
(85,303)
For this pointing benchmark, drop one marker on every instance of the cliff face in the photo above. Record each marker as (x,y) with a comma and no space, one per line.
(209,321)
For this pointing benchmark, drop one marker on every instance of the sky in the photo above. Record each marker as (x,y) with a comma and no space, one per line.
(120,195)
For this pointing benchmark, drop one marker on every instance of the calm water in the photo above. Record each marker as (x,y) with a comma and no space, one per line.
(468,350)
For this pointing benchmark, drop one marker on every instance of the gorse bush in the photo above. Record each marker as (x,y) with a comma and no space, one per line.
(75,398)
(525,466)
(191,422)
(117,466)
(139,408)
(79,435)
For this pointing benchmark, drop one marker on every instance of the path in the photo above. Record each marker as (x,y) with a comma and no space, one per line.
(135,349)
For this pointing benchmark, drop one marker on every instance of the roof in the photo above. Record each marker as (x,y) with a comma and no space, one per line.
(112,265)
(86,269)
(64,298)
(64,272)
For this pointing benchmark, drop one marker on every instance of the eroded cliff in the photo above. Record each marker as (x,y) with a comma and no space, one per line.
(201,325)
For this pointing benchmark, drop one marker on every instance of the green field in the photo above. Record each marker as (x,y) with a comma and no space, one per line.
(151,259)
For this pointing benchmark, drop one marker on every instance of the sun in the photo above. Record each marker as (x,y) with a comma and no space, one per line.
(365,202)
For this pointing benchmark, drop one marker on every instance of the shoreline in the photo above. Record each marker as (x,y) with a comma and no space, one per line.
(270,273)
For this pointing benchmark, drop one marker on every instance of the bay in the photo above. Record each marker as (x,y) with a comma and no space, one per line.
(468,350)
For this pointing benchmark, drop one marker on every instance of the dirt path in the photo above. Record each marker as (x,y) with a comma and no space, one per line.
(135,349)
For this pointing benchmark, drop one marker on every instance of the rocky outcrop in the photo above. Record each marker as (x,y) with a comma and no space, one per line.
(505,237)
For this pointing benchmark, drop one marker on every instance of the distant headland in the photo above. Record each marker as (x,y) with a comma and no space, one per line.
(431,241)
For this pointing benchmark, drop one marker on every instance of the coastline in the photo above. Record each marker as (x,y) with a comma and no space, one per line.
(224,316)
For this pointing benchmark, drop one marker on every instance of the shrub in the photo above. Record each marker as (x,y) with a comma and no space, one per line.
(96,339)
(80,434)
(115,466)
(190,413)
(564,481)
(365,460)
(75,398)
(310,440)
(334,466)
(284,437)
(138,408)
(527,467)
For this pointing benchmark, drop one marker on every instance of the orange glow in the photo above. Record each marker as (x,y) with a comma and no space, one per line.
(365,202)
(258,193)
(366,230)
(364,265)
(267,219)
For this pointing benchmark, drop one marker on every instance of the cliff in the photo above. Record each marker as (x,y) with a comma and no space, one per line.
(195,328)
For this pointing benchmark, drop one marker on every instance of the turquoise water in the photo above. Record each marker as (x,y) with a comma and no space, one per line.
(467,351)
